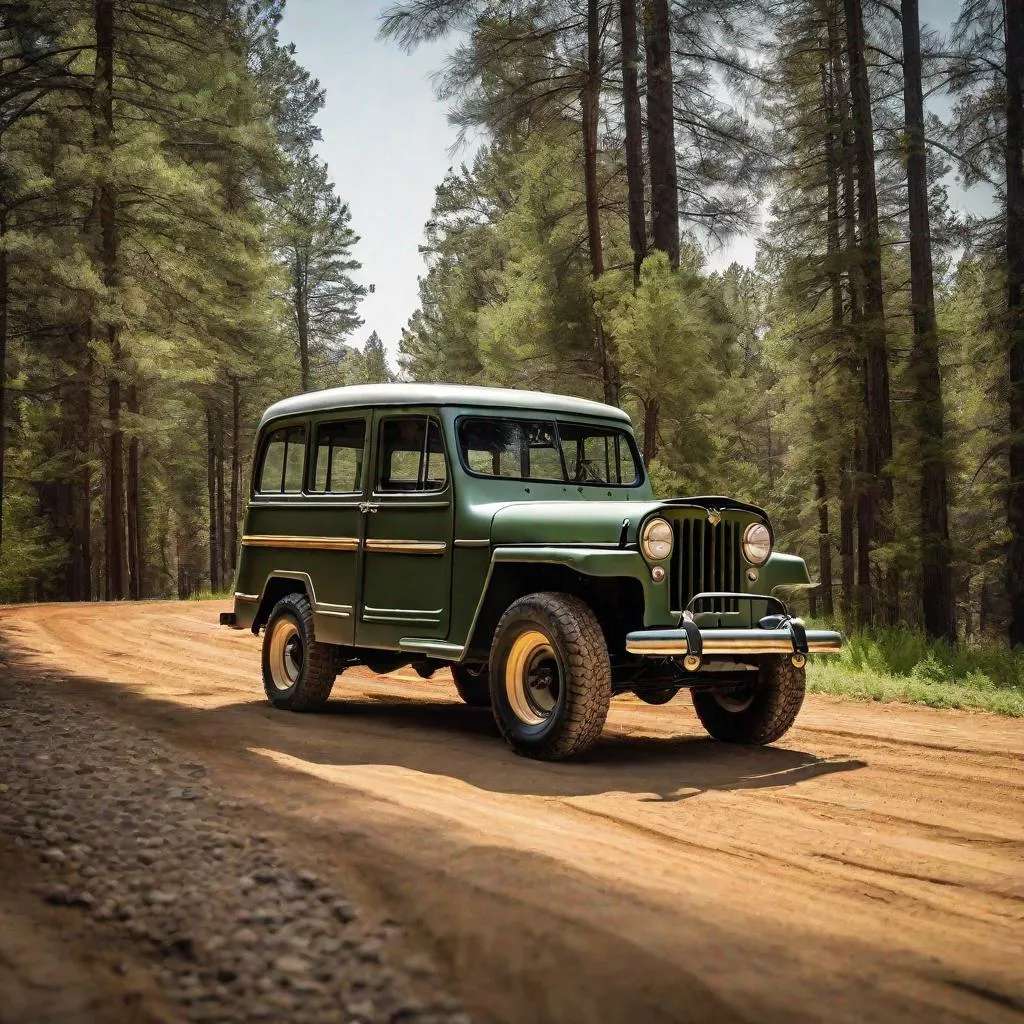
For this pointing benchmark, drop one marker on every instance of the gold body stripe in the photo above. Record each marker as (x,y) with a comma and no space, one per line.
(406,547)
(255,540)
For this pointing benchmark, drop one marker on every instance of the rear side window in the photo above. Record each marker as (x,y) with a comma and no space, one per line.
(283,456)
(411,455)
(338,457)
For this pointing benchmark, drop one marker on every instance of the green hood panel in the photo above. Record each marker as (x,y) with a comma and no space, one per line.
(593,522)
(568,522)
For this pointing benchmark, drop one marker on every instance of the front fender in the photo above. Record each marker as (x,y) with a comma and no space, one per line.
(781,571)
(606,562)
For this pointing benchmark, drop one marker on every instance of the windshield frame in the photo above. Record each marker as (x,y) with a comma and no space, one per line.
(543,417)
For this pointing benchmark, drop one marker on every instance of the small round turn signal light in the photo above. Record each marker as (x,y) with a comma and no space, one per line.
(657,574)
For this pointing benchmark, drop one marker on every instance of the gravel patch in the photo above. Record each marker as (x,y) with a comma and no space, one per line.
(132,835)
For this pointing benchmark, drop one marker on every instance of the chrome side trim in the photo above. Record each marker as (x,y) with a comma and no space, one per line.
(406,547)
(403,611)
(440,648)
(340,611)
(402,619)
(282,541)
(250,598)
(466,543)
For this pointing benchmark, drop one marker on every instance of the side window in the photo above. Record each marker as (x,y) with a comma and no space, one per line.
(338,457)
(283,454)
(514,449)
(411,455)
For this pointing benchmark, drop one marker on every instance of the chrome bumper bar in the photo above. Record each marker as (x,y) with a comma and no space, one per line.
(681,642)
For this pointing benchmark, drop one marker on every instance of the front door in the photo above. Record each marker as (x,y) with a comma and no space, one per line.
(407,533)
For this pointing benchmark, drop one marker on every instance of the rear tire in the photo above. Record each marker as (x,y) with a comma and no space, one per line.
(759,715)
(298,672)
(474,687)
(550,676)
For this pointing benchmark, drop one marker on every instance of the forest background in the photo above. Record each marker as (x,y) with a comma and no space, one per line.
(174,256)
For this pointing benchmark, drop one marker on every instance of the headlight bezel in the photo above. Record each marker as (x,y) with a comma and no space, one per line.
(765,545)
(657,523)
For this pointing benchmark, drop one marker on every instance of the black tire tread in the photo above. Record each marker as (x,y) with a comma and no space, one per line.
(475,690)
(314,686)
(780,695)
(587,669)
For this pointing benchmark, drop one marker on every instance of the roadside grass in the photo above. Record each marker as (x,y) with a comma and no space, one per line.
(905,666)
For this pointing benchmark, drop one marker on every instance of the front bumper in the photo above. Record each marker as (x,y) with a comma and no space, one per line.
(694,641)
(776,633)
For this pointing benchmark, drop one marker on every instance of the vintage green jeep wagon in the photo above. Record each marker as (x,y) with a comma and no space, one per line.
(513,537)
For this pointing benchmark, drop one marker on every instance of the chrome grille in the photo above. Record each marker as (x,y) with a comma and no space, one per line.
(707,558)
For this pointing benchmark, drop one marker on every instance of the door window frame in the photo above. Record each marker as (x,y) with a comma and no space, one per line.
(333,419)
(382,417)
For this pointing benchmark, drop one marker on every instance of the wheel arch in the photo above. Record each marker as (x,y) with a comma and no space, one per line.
(278,585)
(615,599)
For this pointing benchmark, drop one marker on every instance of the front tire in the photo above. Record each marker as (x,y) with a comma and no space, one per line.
(759,715)
(474,687)
(298,672)
(550,676)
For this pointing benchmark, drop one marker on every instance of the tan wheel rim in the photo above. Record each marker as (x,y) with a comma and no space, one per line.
(533,678)
(286,654)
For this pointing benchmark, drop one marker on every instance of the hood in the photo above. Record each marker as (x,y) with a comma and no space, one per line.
(593,522)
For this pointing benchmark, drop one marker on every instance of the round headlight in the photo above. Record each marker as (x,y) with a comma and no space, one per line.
(757,543)
(656,540)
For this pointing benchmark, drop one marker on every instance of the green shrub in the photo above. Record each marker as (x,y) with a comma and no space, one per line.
(896,664)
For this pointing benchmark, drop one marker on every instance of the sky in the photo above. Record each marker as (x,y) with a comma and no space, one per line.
(388,144)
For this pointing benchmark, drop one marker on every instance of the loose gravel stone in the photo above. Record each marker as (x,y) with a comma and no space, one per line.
(133,836)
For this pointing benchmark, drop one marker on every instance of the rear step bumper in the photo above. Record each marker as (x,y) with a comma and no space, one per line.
(227,618)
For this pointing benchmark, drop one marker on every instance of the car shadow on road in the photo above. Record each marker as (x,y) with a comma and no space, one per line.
(439,738)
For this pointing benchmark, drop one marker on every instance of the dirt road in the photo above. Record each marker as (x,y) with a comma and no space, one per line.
(868,867)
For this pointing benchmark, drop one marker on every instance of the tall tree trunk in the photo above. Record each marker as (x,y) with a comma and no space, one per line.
(875,518)
(1014,34)
(847,512)
(236,473)
(211,492)
(82,547)
(221,509)
(591,105)
(661,129)
(651,410)
(634,136)
(3,366)
(301,300)
(937,596)
(103,127)
(824,541)
(135,566)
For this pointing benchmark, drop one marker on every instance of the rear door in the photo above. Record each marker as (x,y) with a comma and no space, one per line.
(333,502)
(408,522)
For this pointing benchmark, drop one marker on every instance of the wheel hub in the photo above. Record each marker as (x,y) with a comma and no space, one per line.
(533,679)
(286,654)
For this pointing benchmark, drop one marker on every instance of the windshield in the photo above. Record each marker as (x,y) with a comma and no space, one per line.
(548,450)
